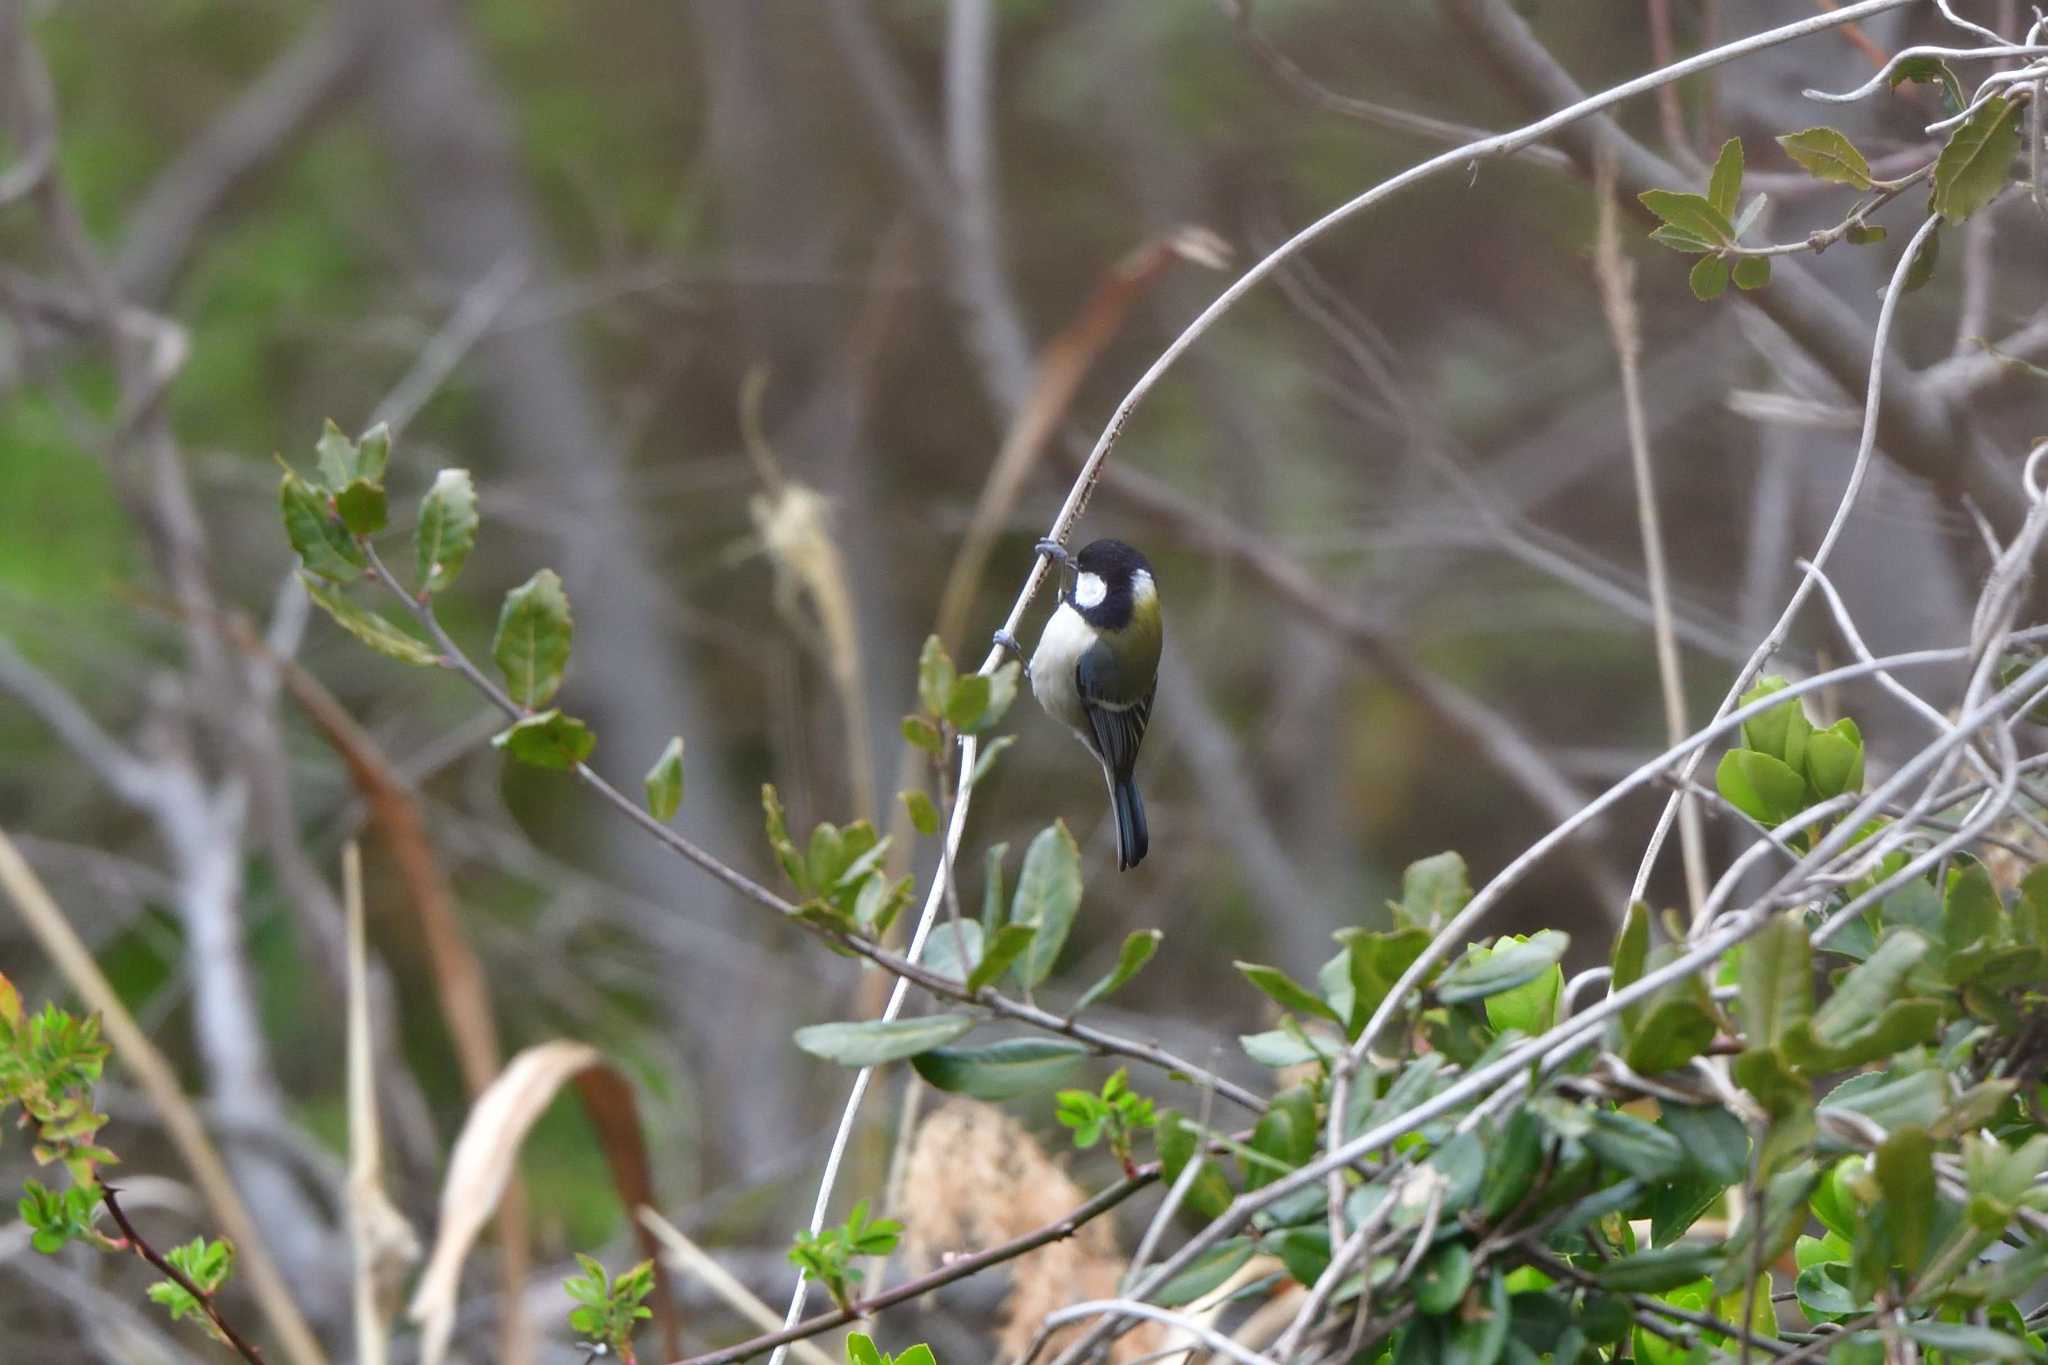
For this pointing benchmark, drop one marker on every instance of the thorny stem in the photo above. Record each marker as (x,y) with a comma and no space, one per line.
(141,1247)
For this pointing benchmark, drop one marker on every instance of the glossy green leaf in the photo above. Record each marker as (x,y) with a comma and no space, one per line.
(1286,1132)
(1869,987)
(1286,991)
(1651,1272)
(1677,240)
(1007,944)
(547,739)
(1674,1029)
(1432,890)
(1709,278)
(1724,186)
(323,544)
(1138,948)
(953,949)
(994,702)
(1481,1337)
(1752,272)
(922,734)
(871,1042)
(1929,71)
(1764,788)
(373,630)
(664,782)
(1278,1048)
(1905,1172)
(1530,1007)
(1828,155)
(986,759)
(335,457)
(361,506)
(924,816)
(1209,1270)
(934,677)
(1631,948)
(966,700)
(1512,1164)
(1690,213)
(1505,966)
(1834,759)
(1966,1341)
(1208,1192)
(993,912)
(1977,162)
(1002,1071)
(1777,980)
(1048,895)
(533,640)
(1634,1146)
(447,529)
(1443,1278)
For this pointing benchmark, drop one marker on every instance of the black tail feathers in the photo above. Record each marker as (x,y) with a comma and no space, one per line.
(1131,837)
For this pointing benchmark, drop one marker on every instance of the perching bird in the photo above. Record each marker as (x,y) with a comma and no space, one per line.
(1097,665)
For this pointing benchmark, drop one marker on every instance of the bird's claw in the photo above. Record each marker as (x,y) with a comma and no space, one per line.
(1005,640)
(1054,551)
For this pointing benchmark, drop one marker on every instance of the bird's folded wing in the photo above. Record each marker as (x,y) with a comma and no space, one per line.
(1118,721)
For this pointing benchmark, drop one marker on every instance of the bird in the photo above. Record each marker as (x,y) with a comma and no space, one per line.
(1097,666)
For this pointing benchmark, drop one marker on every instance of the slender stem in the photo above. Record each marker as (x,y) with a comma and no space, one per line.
(142,1248)
(958,1269)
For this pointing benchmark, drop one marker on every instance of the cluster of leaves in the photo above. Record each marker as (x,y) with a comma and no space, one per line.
(207,1264)
(955,703)
(331,520)
(839,874)
(1972,169)
(609,1310)
(1116,1112)
(828,1254)
(50,1062)
(1785,764)
(861,1350)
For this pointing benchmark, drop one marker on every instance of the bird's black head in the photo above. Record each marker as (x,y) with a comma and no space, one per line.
(1106,573)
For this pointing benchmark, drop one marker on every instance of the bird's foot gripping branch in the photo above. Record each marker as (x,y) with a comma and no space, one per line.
(1807,1125)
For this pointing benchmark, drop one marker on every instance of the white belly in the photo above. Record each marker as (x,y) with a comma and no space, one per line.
(1067,637)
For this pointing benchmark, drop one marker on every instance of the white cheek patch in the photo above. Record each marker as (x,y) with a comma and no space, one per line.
(1089,590)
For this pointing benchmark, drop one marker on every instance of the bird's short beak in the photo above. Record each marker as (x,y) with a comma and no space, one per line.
(1056,552)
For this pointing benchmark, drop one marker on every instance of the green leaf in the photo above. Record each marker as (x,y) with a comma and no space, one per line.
(919,1354)
(1530,1007)
(966,700)
(1277,1048)
(1971,911)
(934,676)
(1828,155)
(1178,1144)
(336,457)
(1209,1270)
(1432,890)
(664,782)
(1764,788)
(1686,242)
(986,759)
(778,837)
(1048,895)
(1286,1132)
(373,454)
(1863,234)
(1001,1071)
(1512,1165)
(870,1042)
(1834,759)
(1675,1029)
(860,1350)
(447,528)
(1480,1337)
(1690,213)
(1443,1279)
(1965,1341)
(1869,987)
(1977,162)
(323,544)
(1929,71)
(924,816)
(1631,948)
(1509,963)
(922,734)
(1290,994)
(1777,980)
(1752,272)
(1138,948)
(1724,187)
(992,916)
(533,639)
(995,700)
(1008,944)
(1924,261)
(547,739)
(362,507)
(1634,1146)
(1652,1272)
(953,949)
(1905,1172)
(1780,730)
(373,630)
(1709,278)
(1713,1138)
